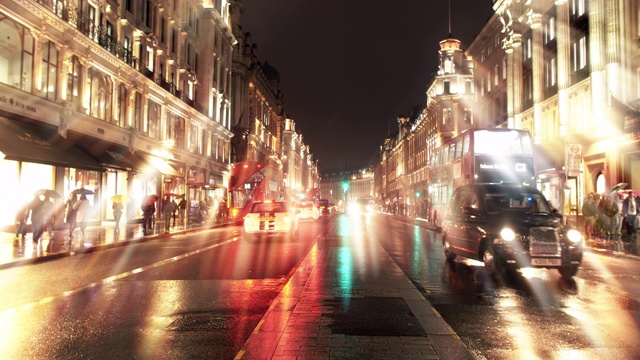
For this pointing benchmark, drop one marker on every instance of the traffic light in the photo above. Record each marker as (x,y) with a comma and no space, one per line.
(345,186)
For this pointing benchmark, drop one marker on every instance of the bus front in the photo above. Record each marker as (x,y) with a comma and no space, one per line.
(503,156)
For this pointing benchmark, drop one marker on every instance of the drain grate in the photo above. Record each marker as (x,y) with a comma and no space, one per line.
(202,323)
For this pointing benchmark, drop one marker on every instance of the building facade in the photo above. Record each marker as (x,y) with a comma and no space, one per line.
(117,97)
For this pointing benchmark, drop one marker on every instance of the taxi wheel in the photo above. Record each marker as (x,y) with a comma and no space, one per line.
(567,272)
(490,260)
(447,250)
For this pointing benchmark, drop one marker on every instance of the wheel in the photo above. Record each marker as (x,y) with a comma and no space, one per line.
(567,272)
(490,260)
(447,250)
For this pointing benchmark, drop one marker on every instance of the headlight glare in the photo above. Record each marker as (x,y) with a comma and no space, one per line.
(507,234)
(574,236)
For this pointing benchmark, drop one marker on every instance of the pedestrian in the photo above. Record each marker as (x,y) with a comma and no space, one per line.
(82,208)
(182,208)
(38,216)
(22,216)
(71,219)
(618,217)
(117,214)
(589,213)
(167,211)
(148,210)
(630,211)
(175,211)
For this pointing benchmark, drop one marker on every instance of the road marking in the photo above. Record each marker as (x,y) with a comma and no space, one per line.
(113,278)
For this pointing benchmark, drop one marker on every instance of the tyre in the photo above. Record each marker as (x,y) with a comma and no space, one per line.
(567,272)
(447,250)
(490,261)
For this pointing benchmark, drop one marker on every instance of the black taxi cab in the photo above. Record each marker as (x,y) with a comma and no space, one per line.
(508,226)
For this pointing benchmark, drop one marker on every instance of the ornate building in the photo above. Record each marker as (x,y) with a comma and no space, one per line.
(115,96)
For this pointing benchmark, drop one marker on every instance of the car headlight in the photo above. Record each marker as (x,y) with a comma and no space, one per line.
(507,234)
(574,236)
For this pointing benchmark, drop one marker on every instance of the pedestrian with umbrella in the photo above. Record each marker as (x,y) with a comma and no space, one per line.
(148,210)
(82,208)
(21,220)
(71,214)
(38,216)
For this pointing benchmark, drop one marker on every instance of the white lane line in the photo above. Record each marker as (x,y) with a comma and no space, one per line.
(113,278)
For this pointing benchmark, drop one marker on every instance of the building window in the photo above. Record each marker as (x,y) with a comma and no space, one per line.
(446,116)
(194,139)
(73,82)
(579,54)
(504,68)
(16,57)
(121,108)
(527,49)
(151,127)
(137,111)
(49,71)
(496,75)
(578,7)
(468,116)
(100,90)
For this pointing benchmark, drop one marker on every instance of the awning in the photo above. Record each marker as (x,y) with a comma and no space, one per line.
(27,142)
(108,154)
(158,164)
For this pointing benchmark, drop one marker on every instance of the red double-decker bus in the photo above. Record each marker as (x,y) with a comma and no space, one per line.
(496,155)
(251,181)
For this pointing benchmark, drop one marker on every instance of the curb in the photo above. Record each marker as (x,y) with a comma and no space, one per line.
(102,247)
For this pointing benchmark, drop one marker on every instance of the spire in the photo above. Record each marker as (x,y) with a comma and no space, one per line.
(449,18)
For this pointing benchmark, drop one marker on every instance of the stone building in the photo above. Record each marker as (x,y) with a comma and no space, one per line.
(116,97)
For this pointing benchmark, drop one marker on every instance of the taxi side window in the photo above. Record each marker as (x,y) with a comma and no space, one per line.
(464,199)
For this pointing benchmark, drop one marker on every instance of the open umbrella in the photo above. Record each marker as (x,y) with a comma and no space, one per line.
(82,192)
(150,199)
(618,187)
(119,198)
(47,193)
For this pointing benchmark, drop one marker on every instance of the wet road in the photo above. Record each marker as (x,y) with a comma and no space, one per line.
(189,296)
(201,296)
(534,315)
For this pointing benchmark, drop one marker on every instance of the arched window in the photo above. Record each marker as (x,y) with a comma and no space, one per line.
(16,57)
(601,184)
(99,95)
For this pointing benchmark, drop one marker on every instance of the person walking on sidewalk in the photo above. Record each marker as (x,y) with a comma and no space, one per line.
(167,211)
(82,208)
(182,208)
(117,214)
(38,216)
(148,210)
(21,220)
(589,212)
(71,214)
(630,210)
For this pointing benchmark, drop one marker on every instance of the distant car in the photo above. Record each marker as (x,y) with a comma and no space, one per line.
(509,227)
(307,210)
(325,209)
(360,206)
(270,219)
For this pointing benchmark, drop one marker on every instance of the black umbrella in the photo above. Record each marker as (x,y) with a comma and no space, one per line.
(618,187)
(47,193)
(82,192)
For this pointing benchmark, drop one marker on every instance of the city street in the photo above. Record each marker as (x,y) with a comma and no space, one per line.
(348,287)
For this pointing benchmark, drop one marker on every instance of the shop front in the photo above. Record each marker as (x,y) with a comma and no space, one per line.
(35,157)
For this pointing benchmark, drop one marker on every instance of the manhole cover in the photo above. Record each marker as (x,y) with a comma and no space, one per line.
(373,316)
(202,323)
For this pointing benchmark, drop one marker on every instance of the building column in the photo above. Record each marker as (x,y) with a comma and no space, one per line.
(597,53)
(537,77)
(563,42)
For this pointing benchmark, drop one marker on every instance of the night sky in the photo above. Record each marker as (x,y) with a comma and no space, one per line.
(349,68)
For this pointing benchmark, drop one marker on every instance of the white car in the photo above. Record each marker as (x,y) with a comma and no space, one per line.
(270,219)
(307,210)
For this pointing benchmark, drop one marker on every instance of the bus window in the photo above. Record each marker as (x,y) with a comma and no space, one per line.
(458,148)
(465,144)
(452,151)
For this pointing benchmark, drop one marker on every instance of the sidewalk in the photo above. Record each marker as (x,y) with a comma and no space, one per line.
(349,301)
(17,251)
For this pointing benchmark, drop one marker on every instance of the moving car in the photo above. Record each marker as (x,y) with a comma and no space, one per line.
(270,219)
(360,206)
(509,227)
(325,209)
(307,210)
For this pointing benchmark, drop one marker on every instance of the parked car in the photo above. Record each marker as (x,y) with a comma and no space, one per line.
(307,210)
(270,219)
(509,227)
